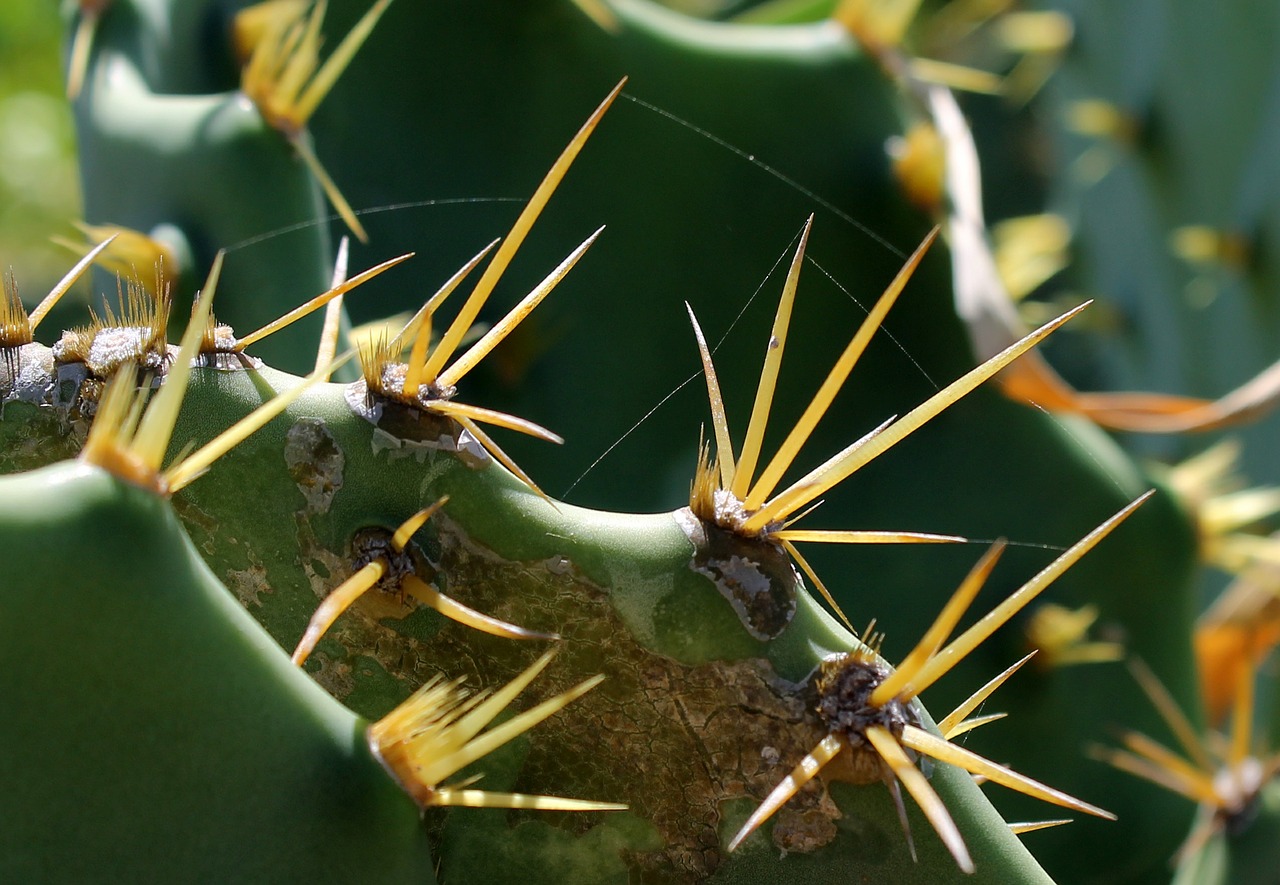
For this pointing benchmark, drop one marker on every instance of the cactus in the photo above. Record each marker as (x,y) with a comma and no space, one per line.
(722,671)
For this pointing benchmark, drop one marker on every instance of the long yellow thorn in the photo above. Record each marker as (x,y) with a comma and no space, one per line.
(943,625)
(1198,782)
(485,799)
(958,77)
(1031,826)
(156,427)
(931,745)
(724,442)
(81,46)
(817,582)
(55,294)
(335,604)
(517,725)
(484,712)
(796,517)
(502,258)
(796,495)
(918,786)
(1242,718)
(417,357)
(499,455)
(949,726)
(969,725)
(825,536)
(330,331)
(465,615)
(978,633)
(496,418)
(931,408)
(807,769)
(1150,771)
(332,328)
(503,327)
(298,61)
(182,473)
(129,428)
(410,526)
(826,394)
(433,303)
(337,62)
(769,372)
(319,301)
(263,65)
(108,445)
(340,204)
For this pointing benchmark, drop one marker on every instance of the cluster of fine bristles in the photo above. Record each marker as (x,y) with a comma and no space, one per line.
(137,334)
(131,430)
(866,708)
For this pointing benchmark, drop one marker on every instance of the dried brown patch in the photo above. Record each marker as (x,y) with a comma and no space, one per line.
(675,742)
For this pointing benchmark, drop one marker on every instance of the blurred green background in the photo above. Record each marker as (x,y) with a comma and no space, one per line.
(39,185)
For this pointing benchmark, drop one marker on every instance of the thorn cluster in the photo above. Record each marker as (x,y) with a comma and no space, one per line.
(388,569)
(1223,777)
(437,733)
(428,380)
(137,335)
(130,436)
(285,79)
(726,491)
(866,708)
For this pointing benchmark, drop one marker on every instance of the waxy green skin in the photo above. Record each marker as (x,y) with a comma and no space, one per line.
(154,731)
(199,709)
(546,566)
(500,544)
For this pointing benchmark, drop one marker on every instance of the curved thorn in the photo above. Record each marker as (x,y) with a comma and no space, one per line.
(826,750)
(465,615)
(335,604)
(411,525)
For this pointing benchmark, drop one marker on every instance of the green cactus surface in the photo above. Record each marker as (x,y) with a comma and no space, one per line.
(198,751)
(161,731)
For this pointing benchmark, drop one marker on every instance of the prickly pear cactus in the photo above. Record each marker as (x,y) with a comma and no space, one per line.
(372,525)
